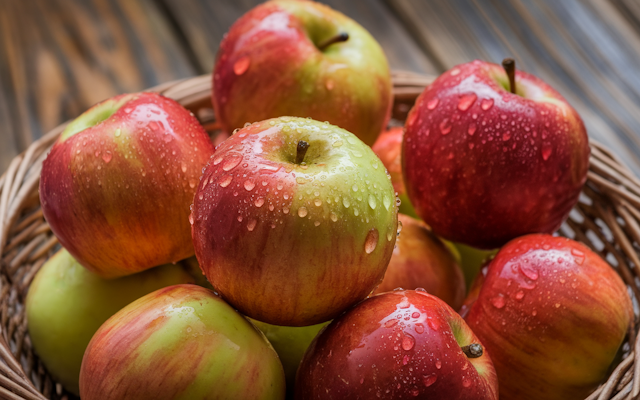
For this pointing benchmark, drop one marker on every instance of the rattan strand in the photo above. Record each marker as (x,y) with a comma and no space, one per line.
(607,219)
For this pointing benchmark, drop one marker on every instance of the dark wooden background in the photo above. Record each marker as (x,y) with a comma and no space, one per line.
(58,57)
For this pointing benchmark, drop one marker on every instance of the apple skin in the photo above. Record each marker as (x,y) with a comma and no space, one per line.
(294,244)
(117,185)
(396,345)
(388,147)
(421,260)
(180,342)
(553,315)
(483,166)
(269,64)
(66,305)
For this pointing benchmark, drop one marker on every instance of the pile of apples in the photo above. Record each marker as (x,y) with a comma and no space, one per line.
(295,222)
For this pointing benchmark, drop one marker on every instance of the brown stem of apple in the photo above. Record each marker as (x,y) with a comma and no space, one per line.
(474,350)
(509,65)
(340,37)
(301,151)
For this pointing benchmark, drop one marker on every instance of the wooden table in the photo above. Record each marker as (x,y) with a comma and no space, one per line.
(58,57)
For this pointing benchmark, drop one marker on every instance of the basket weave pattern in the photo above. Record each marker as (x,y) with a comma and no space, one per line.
(607,219)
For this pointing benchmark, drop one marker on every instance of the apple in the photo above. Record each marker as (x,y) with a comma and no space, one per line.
(294,220)
(180,342)
(483,165)
(66,304)
(388,147)
(397,345)
(420,259)
(117,185)
(303,59)
(553,315)
(290,342)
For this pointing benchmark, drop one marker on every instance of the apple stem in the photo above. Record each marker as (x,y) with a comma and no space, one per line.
(340,37)
(509,65)
(301,151)
(474,350)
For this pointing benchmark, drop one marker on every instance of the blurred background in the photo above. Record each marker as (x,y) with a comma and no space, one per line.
(58,57)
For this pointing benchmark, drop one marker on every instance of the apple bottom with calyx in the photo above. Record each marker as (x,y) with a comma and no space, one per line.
(553,315)
(294,221)
(180,342)
(67,303)
(421,260)
(397,345)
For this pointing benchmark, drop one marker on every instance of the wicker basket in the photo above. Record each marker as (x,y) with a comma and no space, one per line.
(607,219)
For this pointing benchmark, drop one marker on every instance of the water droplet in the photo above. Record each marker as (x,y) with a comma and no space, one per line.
(317,202)
(399,228)
(498,301)
(217,160)
(192,183)
(506,136)
(419,328)
(519,295)
(445,126)
(371,241)
(386,201)
(356,212)
(466,101)
(259,202)
(239,218)
(433,103)
(249,185)
(438,364)
(231,162)
(408,342)
(337,143)
(118,132)
(546,151)
(356,153)
(529,272)
(415,315)
(372,202)
(430,380)
(302,212)
(316,223)
(183,167)
(285,210)
(333,217)
(251,224)
(329,84)
(472,128)
(354,187)
(466,382)
(191,218)
(241,66)
(486,104)
(106,157)
(346,202)
(224,182)
(391,323)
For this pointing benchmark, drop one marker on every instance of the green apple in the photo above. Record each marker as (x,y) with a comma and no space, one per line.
(66,305)
(305,59)
(294,220)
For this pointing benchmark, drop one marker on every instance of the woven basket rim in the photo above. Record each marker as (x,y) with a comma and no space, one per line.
(26,241)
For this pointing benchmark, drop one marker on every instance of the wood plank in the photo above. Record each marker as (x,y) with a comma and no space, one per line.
(585,49)
(58,57)
(204,23)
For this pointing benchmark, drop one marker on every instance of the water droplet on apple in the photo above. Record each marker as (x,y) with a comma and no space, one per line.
(519,295)
(316,223)
(391,323)
(372,202)
(433,103)
(466,101)
(346,202)
(317,202)
(184,167)
(399,228)
(224,182)
(371,241)
(529,272)
(472,128)
(106,157)
(191,218)
(251,224)
(337,143)
(438,364)
(415,314)
(445,126)
(329,84)
(356,212)
(408,342)
(231,162)
(455,71)
(506,136)
(333,217)
(192,183)
(386,201)
(249,185)
(302,212)
(466,382)
(486,104)
(356,153)
(217,160)
(241,66)
(419,328)
(430,380)
(498,301)
(546,151)
(259,202)
(118,132)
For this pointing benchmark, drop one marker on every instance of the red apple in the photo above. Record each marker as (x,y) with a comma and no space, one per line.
(553,315)
(117,185)
(180,342)
(294,221)
(397,345)
(421,260)
(388,147)
(302,58)
(483,165)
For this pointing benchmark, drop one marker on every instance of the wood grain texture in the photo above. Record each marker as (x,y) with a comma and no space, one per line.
(58,57)
(588,50)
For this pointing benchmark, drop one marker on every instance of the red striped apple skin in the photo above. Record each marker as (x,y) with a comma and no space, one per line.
(117,193)
(270,64)
(292,244)
(553,315)
(396,345)
(180,342)
(483,165)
